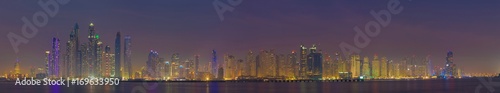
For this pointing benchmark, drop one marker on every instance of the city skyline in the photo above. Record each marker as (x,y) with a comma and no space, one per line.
(474,50)
(311,63)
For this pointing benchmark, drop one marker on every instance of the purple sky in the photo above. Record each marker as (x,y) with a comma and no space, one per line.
(469,28)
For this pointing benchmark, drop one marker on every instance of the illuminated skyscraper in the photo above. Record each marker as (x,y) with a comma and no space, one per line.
(127,56)
(17,69)
(196,64)
(282,65)
(429,68)
(215,64)
(118,56)
(92,54)
(72,56)
(294,66)
(252,64)
(375,67)
(404,68)
(302,61)
(54,59)
(85,55)
(341,65)
(153,60)
(168,69)
(327,66)
(98,63)
(229,67)
(355,61)
(449,66)
(47,61)
(107,67)
(383,67)
(175,64)
(266,64)
(395,69)
(314,64)
(241,68)
(366,67)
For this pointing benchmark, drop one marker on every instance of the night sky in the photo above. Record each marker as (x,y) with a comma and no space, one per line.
(469,28)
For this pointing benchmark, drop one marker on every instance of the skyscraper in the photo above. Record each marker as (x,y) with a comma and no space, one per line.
(366,67)
(17,67)
(98,63)
(175,64)
(292,58)
(355,65)
(241,68)
(47,61)
(72,49)
(92,54)
(341,65)
(153,60)
(267,64)
(383,67)
(196,65)
(449,65)
(54,59)
(117,55)
(215,65)
(252,64)
(327,66)
(302,61)
(127,66)
(108,66)
(229,66)
(314,64)
(375,67)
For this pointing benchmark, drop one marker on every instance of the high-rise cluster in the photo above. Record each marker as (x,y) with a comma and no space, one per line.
(88,59)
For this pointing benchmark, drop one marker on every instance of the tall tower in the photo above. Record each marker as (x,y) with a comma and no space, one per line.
(72,48)
(127,66)
(366,67)
(229,66)
(175,65)
(117,55)
(292,58)
(341,67)
(54,59)
(196,64)
(375,67)
(214,64)
(449,64)
(302,61)
(93,51)
(314,64)
(153,60)
(383,67)
(252,65)
(47,61)
(107,62)
(98,62)
(17,69)
(355,65)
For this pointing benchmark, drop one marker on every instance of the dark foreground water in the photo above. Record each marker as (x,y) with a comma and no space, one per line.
(401,86)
